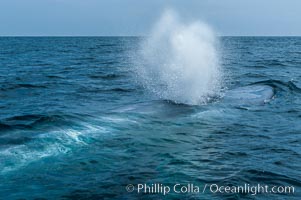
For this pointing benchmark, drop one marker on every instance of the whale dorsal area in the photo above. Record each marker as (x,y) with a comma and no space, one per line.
(252,94)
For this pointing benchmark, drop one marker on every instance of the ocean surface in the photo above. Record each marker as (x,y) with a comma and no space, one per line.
(75,123)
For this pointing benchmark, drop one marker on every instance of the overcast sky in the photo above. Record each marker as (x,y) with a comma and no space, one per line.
(135,17)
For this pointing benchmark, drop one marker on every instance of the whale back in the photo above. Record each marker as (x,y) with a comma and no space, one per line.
(253,94)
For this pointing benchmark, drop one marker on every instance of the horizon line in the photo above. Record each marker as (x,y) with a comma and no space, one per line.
(140,36)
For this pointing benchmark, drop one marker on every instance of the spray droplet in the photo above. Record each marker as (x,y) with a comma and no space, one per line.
(179,62)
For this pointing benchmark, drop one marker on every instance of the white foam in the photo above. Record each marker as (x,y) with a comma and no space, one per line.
(52,143)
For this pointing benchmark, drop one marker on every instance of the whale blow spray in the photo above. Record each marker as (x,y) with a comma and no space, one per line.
(179,61)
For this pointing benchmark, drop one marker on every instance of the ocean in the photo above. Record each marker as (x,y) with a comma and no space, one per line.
(76,122)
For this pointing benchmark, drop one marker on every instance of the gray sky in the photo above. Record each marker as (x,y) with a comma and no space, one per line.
(135,17)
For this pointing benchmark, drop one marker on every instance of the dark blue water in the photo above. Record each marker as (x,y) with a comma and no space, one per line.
(74,124)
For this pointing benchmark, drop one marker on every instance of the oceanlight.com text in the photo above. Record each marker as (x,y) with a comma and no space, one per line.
(191,188)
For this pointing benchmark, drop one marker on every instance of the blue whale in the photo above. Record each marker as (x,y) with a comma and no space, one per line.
(252,94)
